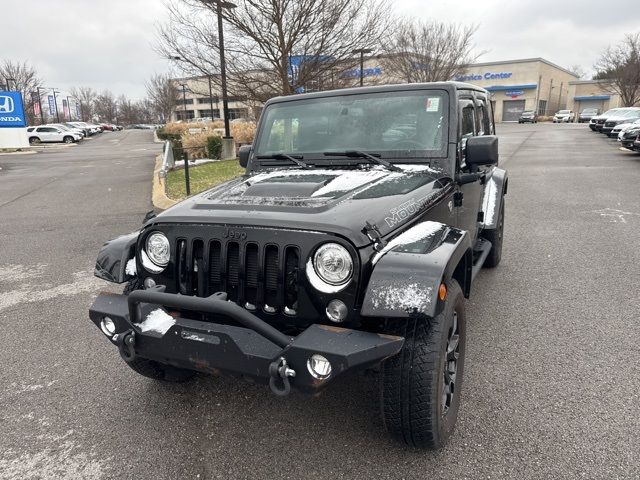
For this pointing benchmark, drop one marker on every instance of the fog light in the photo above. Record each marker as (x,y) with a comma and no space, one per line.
(149,282)
(336,311)
(319,367)
(108,326)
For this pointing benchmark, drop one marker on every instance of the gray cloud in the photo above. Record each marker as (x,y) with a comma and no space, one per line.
(110,44)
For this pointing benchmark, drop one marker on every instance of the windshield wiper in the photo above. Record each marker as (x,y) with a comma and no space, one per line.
(297,159)
(374,157)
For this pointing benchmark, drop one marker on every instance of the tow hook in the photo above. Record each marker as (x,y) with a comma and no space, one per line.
(125,342)
(280,373)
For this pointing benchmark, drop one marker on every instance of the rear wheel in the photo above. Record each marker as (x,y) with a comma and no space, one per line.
(151,368)
(421,386)
(34,140)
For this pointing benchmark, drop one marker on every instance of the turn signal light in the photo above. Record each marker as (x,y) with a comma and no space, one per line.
(442,292)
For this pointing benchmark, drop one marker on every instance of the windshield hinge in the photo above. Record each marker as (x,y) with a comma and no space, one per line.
(373,233)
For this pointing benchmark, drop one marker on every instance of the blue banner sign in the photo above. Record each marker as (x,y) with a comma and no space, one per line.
(367,72)
(52,106)
(514,93)
(12,110)
(486,76)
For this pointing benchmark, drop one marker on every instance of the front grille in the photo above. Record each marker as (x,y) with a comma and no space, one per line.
(253,275)
(600,121)
(610,124)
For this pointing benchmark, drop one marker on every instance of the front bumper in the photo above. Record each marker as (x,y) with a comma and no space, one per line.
(255,349)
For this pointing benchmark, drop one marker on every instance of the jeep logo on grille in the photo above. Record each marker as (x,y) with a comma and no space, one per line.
(235,234)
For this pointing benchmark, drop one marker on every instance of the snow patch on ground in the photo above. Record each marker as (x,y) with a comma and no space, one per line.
(131,268)
(409,297)
(22,293)
(194,163)
(157,321)
(418,232)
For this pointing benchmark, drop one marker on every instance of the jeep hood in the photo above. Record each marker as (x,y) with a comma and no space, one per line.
(328,200)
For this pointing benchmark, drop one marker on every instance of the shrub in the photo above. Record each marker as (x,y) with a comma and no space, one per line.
(195,144)
(243,132)
(214,147)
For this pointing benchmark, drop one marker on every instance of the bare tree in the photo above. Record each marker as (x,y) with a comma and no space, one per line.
(275,46)
(620,65)
(105,107)
(577,70)
(24,78)
(87,97)
(162,94)
(429,51)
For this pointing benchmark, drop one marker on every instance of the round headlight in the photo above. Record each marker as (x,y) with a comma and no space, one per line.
(158,249)
(333,264)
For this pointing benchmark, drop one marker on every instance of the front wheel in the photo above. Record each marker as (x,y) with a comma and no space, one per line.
(67,139)
(421,386)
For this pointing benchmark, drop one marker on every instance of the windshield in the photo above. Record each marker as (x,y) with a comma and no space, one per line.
(403,125)
(631,113)
(590,110)
(564,111)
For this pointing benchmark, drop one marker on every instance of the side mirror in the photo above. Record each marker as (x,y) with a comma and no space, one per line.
(243,153)
(482,150)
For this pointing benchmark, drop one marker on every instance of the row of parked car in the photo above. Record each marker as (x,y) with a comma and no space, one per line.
(67,132)
(561,116)
(620,123)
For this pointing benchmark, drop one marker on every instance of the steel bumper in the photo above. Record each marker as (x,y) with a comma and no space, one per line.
(255,349)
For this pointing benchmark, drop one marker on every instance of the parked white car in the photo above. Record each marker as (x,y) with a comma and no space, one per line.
(49,134)
(620,129)
(62,126)
(564,116)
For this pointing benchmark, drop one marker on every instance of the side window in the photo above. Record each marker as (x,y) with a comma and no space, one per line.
(468,127)
(484,122)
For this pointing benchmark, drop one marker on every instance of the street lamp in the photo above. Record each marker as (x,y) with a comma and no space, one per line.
(227,141)
(177,58)
(15,83)
(184,100)
(55,102)
(361,51)
(41,109)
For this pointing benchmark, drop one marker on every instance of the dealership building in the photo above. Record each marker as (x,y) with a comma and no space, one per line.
(519,85)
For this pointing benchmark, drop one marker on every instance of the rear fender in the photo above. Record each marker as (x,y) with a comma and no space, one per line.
(113,257)
(495,188)
(408,272)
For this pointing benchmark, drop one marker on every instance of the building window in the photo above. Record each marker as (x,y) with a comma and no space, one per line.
(207,113)
(185,115)
(542,107)
(237,113)
(187,101)
(207,100)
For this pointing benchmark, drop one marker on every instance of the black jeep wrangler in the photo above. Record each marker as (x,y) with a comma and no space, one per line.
(350,243)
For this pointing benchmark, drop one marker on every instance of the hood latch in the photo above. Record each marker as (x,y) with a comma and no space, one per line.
(373,233)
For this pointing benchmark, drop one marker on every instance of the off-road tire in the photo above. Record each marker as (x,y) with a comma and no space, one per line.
(495,236)
(150,368)
(412,382)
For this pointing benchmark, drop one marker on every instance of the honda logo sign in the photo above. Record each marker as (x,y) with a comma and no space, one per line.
(11,110)
(6,104)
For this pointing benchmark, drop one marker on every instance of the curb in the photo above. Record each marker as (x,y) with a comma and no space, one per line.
(158,196)
(22,152)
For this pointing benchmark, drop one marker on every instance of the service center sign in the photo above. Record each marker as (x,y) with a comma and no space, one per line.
(11,110)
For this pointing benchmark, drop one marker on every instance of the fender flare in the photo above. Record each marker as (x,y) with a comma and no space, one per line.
(495,188)
(408,272)
(113,257)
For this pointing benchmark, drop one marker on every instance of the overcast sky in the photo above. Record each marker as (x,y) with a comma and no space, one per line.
(109,44)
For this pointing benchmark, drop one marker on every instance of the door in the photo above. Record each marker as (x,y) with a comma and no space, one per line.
(511,110)
(473,120)
(46,134)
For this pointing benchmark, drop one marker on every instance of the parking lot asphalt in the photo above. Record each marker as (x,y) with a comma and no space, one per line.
(551,375)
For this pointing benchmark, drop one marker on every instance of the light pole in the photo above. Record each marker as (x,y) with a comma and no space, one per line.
(185,156)
(228,146)
(69,107)
(55,102)
(361,51)
(15,83)
(41,109)
(178,58)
